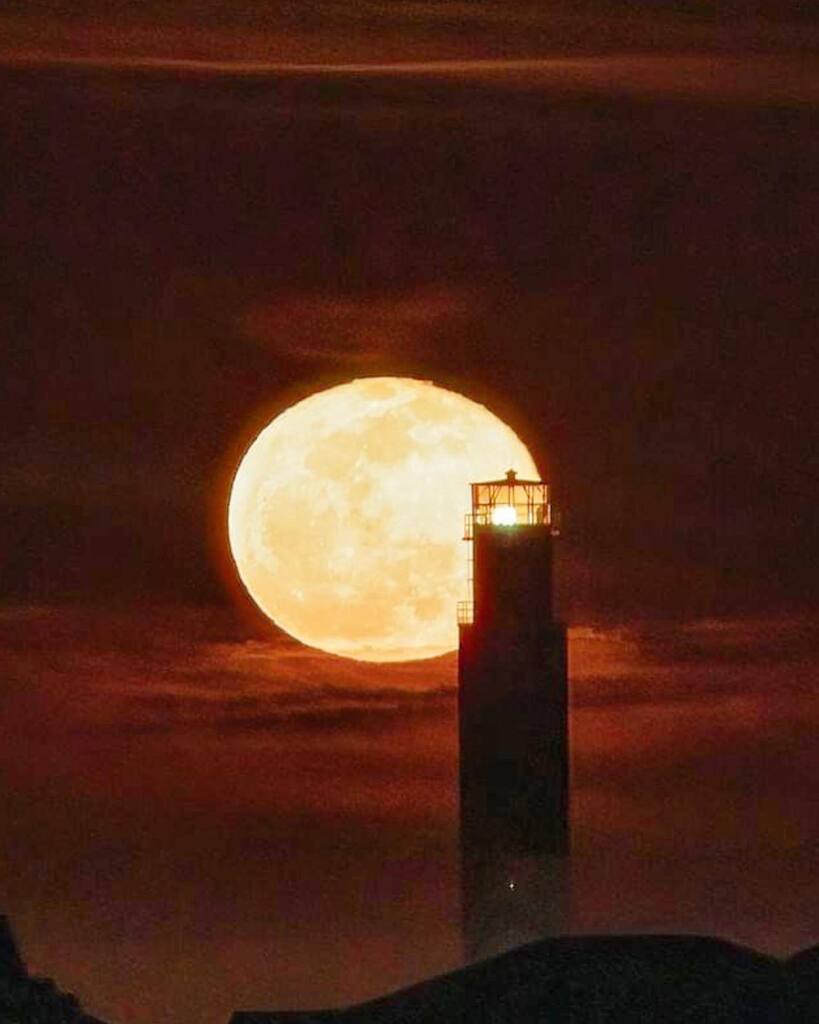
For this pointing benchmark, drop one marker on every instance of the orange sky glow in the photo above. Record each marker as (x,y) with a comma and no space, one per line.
(151,755)
(601,224)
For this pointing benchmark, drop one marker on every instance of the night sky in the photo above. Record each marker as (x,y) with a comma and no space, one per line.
(601,223)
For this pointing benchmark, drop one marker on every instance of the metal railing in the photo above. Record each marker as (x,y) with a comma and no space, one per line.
(527,515)
(466,613)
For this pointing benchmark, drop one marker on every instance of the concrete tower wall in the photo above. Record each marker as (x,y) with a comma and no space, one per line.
(512,584)
(514,756)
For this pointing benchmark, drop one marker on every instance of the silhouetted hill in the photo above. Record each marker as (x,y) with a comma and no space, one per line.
(628,979)
(804,971)
(29,1000)
(599,980)
(10,959)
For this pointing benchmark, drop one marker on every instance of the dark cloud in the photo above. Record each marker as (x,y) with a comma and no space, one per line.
(281,824)
(781,642)
(325,32)
(357,330)
(696,662)
(159,672)
(310,708)
(606,274)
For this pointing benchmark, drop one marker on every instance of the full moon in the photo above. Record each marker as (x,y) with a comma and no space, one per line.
(346,514)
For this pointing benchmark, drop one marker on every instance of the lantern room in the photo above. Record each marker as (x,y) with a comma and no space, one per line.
(509,531)
(509,502)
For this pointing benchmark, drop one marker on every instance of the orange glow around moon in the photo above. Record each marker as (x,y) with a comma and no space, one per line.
(346,514)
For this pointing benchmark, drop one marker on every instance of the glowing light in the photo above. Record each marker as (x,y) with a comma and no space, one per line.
(504,515)
(346,514)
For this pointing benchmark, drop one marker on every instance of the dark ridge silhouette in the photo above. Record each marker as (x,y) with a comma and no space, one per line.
(803,968)
(30,1000)
(10,959)
(668,979)
(613,979)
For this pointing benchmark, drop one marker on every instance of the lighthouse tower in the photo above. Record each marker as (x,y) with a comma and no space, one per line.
(514,757)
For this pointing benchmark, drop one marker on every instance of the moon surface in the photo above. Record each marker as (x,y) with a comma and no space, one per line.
(346,514)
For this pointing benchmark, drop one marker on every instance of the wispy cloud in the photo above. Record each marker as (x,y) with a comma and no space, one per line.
(779,640)
(710,76)
(166,776)
(336,32)
(317,708)
(85,670)
(358,331)
(179,670)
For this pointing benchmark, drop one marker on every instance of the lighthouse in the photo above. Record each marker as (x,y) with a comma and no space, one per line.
(513,724)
